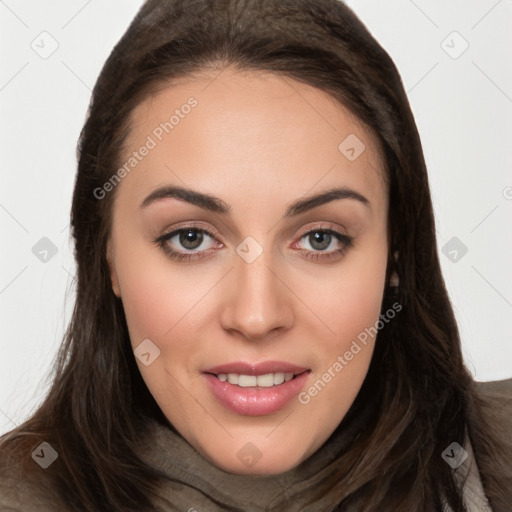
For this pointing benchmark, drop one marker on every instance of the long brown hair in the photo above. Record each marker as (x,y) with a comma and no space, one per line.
(98,403)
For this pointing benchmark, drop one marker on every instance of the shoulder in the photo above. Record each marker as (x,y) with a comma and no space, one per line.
(496,401)
(491,436)
(501,388)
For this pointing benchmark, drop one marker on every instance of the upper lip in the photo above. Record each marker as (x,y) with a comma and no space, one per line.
(262,368)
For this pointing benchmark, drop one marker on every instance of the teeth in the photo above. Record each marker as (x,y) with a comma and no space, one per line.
(278,378)
(233,378)
(245,381)
(264,381)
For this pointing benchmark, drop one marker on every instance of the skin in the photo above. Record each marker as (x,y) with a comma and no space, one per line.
(259,142)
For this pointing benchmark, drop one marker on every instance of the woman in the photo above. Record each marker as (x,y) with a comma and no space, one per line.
(261,321)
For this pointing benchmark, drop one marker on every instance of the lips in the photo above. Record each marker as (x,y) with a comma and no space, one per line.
(255,389)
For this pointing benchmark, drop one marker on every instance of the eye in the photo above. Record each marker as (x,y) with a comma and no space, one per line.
(191,242)
(186,243)
(324,242)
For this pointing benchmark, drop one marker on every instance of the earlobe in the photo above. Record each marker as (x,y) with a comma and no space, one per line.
(111,267)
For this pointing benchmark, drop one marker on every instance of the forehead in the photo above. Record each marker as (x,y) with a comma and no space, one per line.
(257,128)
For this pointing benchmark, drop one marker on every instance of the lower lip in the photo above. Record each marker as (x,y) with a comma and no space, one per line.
(255,401)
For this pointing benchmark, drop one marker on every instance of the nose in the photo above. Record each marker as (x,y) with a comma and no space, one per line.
(258,304)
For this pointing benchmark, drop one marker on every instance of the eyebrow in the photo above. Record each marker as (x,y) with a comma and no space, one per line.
(217,205)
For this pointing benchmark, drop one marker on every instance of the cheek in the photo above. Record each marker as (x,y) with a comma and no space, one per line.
(349,304)
(157,302)
(350,300)
(163,307)
(343,357)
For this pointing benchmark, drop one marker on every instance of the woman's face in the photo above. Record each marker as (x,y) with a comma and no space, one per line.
(269,280)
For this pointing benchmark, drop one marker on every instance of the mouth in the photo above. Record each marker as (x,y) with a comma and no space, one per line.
(255,389)
(268,380)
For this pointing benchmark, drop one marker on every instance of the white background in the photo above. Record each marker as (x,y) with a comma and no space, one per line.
(462,106)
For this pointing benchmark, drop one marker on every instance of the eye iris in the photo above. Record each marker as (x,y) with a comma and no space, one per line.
(321,238)
(191,239)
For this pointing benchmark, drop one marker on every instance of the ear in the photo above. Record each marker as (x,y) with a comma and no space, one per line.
(394,280)
(111,267)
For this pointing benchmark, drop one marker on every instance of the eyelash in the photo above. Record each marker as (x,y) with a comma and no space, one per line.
(161,241)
